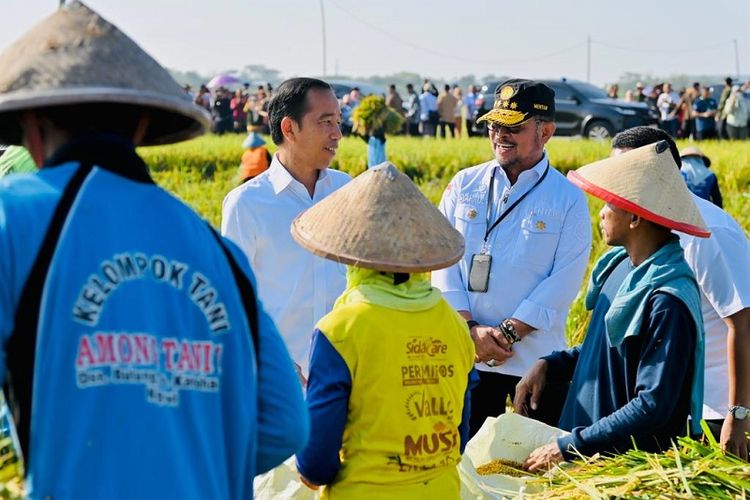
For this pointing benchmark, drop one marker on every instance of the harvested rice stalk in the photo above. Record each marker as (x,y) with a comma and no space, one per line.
(505,467)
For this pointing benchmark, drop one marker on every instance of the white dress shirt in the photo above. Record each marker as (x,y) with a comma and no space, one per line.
(296,287)
(539,254)
(721,265)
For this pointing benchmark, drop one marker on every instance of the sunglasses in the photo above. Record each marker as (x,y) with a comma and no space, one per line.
(497,128)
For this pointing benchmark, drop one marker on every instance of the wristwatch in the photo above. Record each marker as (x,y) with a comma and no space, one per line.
(739,412)
(509,332)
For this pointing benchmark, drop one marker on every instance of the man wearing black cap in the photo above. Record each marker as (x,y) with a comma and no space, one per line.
(528,238)
(138,362)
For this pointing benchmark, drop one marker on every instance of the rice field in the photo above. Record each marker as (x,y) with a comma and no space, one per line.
(203,170)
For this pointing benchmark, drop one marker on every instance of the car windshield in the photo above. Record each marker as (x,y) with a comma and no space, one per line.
(589,90)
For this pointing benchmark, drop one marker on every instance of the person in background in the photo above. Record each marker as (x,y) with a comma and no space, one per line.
(393,100)
(413,111)
(695,169)
(428,111)
(139,361)
(737,114)
(256,158)
(470,101)
(721,123)
(721,265)
(613,91)
(391,364)
(446,105)
(457,118)
(638,375)
(239,115)
(667,105)
(704,112)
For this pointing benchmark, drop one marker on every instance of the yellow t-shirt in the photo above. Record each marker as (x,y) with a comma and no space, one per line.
(409,373)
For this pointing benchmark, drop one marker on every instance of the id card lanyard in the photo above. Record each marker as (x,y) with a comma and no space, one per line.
(485,245)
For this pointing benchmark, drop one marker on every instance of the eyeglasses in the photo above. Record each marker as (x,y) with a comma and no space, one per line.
(497,128)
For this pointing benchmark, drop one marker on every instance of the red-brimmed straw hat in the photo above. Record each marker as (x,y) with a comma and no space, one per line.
(646,182)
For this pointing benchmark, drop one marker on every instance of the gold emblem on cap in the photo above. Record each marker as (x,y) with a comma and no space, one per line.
(471,213)
(540,225)
(507,92)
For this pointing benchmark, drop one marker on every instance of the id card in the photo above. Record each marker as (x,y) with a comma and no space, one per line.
(479,272)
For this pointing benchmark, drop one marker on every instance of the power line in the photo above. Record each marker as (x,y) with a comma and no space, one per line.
(443,55)
(663,51)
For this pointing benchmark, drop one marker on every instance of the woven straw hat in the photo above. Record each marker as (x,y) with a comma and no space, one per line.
(646,182)
(380,221)
(75,57)
(693,151)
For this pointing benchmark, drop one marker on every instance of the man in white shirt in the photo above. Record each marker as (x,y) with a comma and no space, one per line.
(296,287)
(528,238)
(721,265)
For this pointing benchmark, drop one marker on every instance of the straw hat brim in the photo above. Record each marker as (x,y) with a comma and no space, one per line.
(381,221)
(631,207)
(179,119)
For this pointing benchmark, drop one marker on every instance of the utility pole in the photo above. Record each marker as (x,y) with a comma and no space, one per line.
(736,59)
(323,25)
(588,59)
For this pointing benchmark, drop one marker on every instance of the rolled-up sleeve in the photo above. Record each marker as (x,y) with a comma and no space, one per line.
(553,295)
(449,280)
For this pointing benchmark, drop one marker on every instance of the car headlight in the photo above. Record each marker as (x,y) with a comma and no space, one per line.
(626,111)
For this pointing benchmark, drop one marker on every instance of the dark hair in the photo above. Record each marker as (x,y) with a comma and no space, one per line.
(728,81)
(447,87)
(392,86)
(637,137)
(409,86)
(290,100)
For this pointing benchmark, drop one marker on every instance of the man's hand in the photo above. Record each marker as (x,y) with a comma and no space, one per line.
(307,483)
(530,386)
(490,344)
(733,436)
(543,458)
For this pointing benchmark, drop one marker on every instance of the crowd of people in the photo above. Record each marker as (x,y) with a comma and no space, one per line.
(693,112)
(235,111)
(147,355)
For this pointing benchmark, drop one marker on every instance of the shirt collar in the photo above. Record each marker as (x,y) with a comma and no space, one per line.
(532,174)
(280,177)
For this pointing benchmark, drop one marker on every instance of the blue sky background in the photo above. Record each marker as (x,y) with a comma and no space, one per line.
(439,38)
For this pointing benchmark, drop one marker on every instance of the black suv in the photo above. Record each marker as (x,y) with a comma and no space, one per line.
(583,109)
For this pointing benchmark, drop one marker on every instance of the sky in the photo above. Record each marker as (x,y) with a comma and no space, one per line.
(436,38)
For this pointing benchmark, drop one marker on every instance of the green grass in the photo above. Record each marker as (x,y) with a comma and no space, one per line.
(203,170)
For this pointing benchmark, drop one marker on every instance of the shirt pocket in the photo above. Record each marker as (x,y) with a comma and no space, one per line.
(537,242)
(471,223)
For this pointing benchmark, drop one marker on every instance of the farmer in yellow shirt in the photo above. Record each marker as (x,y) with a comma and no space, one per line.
(391,364)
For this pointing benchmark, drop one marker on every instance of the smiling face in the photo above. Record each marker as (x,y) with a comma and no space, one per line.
(315,139)
(521,147)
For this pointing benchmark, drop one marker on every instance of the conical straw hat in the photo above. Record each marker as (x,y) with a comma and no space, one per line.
(74,57)
(646,182)
(380,221)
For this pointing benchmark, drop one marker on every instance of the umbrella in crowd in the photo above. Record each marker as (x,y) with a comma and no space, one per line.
(222,81)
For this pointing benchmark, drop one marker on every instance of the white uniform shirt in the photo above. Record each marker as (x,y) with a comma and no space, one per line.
(721,265)
(296,287)
(539,254)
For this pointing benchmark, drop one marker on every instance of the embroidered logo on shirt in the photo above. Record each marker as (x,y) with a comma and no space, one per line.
(540,225)
(471,213)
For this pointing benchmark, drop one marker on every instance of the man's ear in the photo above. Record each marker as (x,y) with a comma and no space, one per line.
(548,130)
(288,128)
(635,221)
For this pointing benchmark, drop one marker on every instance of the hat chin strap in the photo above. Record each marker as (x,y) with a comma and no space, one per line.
(140,129)
(33,136)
